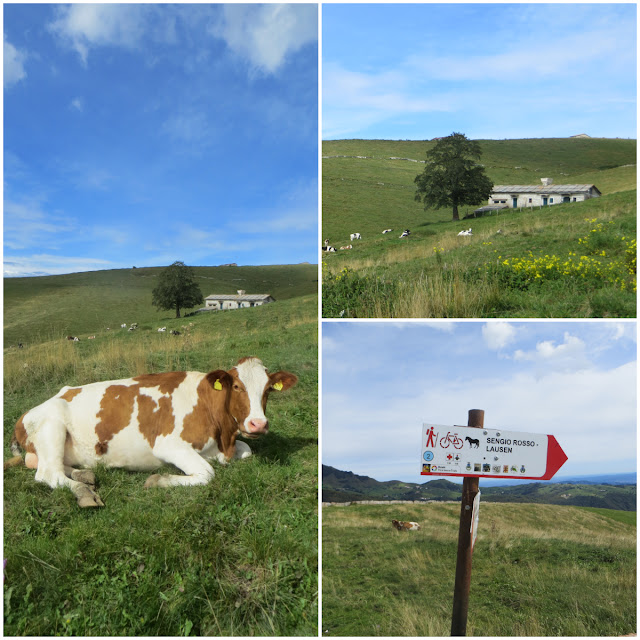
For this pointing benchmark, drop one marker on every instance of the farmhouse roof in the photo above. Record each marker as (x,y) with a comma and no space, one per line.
(550,188)
(245,297)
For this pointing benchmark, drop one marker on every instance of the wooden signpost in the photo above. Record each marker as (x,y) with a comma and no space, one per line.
(474,452)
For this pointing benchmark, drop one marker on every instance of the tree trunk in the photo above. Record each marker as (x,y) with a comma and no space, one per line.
(177,311)
(455,212)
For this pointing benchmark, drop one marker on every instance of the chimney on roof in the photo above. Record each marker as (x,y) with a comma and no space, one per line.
(546,182)
(241,292)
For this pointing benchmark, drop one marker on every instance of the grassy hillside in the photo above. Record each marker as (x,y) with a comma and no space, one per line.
(344,486)
(235,557)
(538,570)
(368,186)
(81,304)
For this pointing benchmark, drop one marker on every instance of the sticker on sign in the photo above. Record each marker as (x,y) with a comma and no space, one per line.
(494,453)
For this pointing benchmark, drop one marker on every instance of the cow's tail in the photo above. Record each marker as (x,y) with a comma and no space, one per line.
(17,454)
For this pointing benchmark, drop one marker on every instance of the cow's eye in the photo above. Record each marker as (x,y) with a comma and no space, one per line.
(237,387)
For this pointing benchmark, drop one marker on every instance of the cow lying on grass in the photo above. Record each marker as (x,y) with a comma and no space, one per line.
(405,526)
(182,418)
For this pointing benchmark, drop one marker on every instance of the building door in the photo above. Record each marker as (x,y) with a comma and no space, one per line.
(515,201)
(544,201)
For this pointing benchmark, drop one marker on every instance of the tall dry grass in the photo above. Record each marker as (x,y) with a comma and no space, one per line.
(445,295)
(62,362)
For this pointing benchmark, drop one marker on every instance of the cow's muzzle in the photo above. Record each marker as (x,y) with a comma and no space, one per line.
(256,427)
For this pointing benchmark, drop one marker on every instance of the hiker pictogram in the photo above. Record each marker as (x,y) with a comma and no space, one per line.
(432,437)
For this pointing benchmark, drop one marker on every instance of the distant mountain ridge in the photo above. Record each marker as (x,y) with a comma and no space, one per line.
(345,486)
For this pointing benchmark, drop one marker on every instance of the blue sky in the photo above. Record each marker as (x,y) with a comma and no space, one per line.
(141,134)
(491,71)
(382,380)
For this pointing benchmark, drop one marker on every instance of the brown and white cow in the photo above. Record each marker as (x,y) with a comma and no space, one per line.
(405,526)
(183,418)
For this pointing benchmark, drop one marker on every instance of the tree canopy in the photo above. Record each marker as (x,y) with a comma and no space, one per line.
(177,289)
(452,177)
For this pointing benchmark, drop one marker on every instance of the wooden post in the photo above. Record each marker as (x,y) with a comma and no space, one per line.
(463,564)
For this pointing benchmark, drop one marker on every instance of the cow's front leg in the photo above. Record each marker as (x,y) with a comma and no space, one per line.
(242,450)
(238,451)
(196,469)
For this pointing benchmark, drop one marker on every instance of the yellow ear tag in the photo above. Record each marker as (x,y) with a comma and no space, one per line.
(278,386)
(217,385)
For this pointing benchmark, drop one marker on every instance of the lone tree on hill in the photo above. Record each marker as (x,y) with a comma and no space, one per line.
(177,289)
(451,176)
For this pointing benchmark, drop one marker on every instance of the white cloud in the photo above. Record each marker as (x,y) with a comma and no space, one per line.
(569,356)
(624,330)
(27,225)
(294,208)
(526,59)
(13,64)
(45,264)
(78,104)
(84,26)
(190,126)
(353,100)
(445,326)
(267,34)
(498,335)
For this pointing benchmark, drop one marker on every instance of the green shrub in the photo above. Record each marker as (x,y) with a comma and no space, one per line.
(350,295)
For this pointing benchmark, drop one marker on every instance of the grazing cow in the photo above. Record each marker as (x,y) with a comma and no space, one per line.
(349,246)
(123,326)
(355,236)
(466,232)
(329,249)
(180,418)
(73,338)
(91,338)
(387,231)
(405,526)
(162,329)
(173,332)
(405,233)
(20,345)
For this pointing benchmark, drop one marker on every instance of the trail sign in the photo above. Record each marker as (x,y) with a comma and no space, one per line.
(489,453)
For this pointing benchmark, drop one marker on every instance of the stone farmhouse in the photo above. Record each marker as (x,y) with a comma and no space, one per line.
(220,302)
(521,196)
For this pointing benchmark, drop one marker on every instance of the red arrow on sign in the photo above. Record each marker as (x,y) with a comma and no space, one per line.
(556,457)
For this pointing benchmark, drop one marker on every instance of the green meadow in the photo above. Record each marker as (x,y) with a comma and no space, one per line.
(538,570)
(568,260)
(235,557)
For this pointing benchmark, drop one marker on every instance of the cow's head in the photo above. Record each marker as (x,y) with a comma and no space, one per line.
(248,385)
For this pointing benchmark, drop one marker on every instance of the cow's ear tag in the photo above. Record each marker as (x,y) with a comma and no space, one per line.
(217,385)
(278,386)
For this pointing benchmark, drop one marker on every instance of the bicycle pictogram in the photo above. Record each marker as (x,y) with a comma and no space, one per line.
(455,440)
